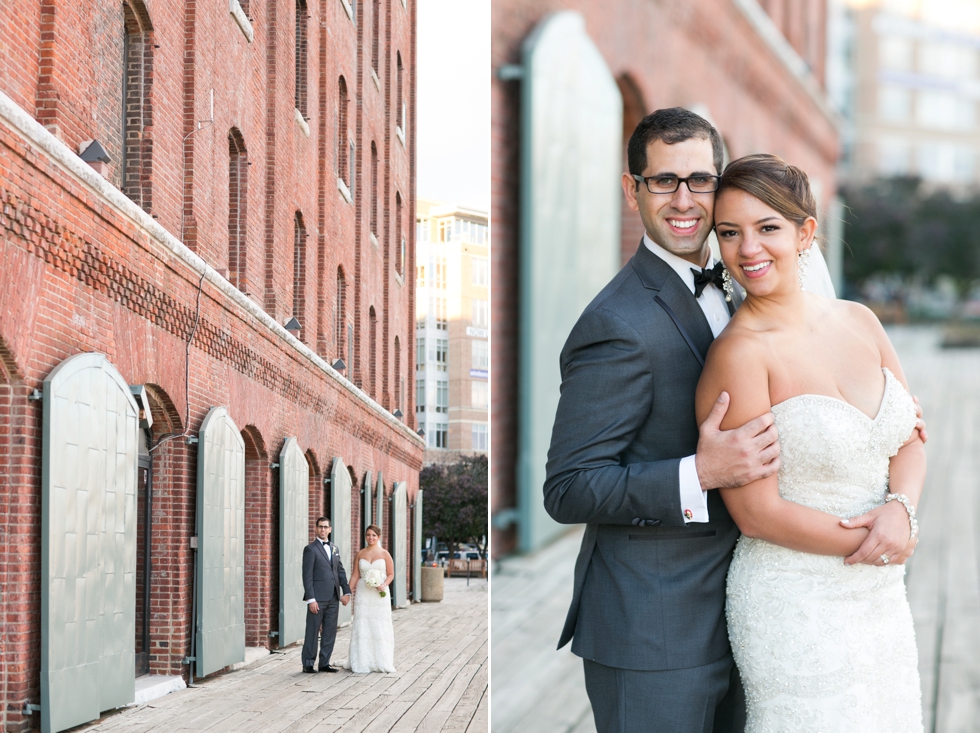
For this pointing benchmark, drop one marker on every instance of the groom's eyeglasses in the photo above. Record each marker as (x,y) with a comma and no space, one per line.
(669,184)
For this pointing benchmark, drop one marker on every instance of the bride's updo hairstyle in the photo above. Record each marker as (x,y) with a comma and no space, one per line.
(774,182)
(373,528)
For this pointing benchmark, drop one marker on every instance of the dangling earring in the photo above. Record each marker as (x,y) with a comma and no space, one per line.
(804,264)
(726,285)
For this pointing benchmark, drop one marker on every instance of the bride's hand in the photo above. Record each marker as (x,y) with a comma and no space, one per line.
(889,536)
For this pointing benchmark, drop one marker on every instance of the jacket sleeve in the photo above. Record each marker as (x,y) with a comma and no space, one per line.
(308,560)
(607,392)
(342,574)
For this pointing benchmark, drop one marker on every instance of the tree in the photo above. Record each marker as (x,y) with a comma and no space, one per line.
(454,505)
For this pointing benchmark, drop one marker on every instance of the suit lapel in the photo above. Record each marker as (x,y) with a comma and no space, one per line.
(681,305)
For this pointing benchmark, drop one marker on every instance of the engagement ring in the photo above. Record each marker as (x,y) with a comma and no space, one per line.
(884,559)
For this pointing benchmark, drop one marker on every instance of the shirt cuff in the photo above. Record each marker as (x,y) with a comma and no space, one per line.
(694,500)
(312,600)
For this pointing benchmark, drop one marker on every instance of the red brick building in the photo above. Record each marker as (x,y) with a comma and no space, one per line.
(255,163)
(754,67)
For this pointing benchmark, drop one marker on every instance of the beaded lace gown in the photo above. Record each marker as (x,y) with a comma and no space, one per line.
(822,646)
(372,639)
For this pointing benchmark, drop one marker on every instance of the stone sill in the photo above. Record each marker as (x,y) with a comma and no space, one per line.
(344,191)
(303,124)
(348,9)
(400,134)
(235,8)
(375,79)
(374,240)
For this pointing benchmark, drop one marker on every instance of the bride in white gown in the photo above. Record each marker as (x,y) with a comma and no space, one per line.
(372,639)
(822,641)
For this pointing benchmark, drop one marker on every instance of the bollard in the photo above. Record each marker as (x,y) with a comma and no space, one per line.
(432,582)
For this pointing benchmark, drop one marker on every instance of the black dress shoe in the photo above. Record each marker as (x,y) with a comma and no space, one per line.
(309,670)
(328,668)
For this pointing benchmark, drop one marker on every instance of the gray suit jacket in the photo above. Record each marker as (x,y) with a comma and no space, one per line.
(323,580)
(649,591)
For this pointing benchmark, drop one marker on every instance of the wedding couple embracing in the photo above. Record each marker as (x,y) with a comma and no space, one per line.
(747,469)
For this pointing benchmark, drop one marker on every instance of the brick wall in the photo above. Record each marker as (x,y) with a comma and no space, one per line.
(80,274)
(663,53)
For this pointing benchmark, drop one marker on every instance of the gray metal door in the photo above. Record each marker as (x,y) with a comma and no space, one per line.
(220,623)
(294,535)
(417,548)
(379,503)
(340,519)
(399,540)
(88,542)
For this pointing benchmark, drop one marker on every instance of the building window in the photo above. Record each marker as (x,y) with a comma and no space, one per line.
(442,319)
(442,396)
(480,437)
(402,107)
(374,189)
(420,395)
(301,56)
(442,355)
(135,164)
(442,267)
(398,373)
(420,353)
(440,436)
(446,230)
(420,276)
(376,36)
(481,355)
(343,159)
(341,313)
(422,230)
(894,103)
(479,271)
(480,313)
(350,351)
(237,209)
(479,395)
(399,236)
(299,271)
(373,352)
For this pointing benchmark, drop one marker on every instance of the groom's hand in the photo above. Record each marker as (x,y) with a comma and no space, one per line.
(889,525)
(727,459)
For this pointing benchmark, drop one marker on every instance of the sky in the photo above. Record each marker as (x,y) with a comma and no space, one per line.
(453,103)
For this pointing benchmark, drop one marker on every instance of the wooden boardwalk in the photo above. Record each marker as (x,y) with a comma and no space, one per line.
(441,683)
(537,688)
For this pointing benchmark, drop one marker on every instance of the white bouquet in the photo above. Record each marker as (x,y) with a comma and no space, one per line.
(375,578)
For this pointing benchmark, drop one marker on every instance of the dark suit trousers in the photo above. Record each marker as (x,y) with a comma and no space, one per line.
(707,699)
(323,623)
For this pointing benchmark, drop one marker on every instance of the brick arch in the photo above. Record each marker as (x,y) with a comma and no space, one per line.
(166,417)
(261,541)
(634,109)
(317,493)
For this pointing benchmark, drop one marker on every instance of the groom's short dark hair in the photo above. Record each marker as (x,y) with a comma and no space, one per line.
(672,125)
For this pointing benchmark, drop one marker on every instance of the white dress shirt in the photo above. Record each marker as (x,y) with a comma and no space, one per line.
(694,500)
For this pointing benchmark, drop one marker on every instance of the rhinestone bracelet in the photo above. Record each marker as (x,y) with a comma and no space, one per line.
(904,501)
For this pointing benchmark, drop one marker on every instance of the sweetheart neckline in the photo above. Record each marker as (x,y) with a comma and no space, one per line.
(889,378)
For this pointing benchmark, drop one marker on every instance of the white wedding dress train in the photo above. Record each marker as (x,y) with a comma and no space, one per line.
(822,646)
(372,638)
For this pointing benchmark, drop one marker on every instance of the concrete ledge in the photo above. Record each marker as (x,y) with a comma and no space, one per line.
(252,654)
(151,686)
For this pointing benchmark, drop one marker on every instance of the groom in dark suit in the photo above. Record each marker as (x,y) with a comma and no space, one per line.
(324,583)
(628,459)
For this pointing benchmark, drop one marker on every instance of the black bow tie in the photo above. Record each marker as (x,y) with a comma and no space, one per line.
(704,276)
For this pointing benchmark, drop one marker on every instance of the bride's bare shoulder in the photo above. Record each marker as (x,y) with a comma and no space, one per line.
(737,363)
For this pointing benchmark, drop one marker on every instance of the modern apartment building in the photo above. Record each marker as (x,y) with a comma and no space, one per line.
(905,75)
(452,356)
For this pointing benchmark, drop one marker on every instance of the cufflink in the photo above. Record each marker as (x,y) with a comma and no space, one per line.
(688,515)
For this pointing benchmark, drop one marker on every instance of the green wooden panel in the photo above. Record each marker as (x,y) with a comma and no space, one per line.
(399,541)
(220,623)
(340,520)
(294,530)
(571,164)
(88,542)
